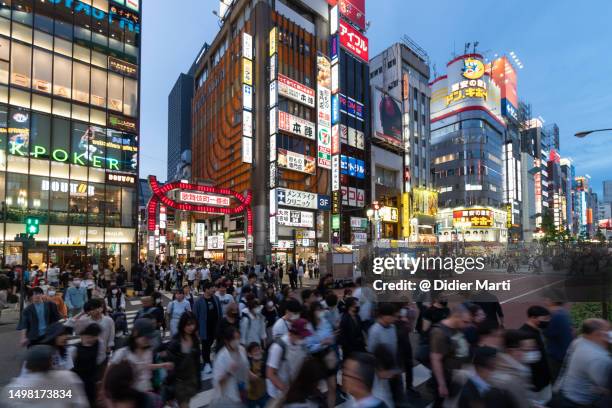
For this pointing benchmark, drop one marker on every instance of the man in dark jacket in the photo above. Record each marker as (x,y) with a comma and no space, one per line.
(351,334)
(537,321)
(208,313)
(36,318)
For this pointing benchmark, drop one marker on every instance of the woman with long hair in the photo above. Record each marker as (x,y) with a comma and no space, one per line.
(57,337)
(115,300)
(183,351)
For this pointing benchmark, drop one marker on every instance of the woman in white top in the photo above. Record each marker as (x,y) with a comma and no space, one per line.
(230,372)
(176,308)
(252,322)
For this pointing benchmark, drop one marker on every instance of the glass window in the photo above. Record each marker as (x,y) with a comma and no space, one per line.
(5,46)
(78,202)
(78,172)
(23,11)
(130,153)
(20,98)
(39,167)
(80,143)
(96,175)
(98,87)
(43,40)
(2,201)
(115,92)
(99,59)
(59,169)
(62,28)
(41,103)
(131,97)
(81,53)
(113,206)
(127,203)
(58,203)
(43,23)
(19,131)
(40,141)
(5,9)
(95,204)
(101,4)
(61,108)
(39,195)
(63,46)
(61,140)
(80,82)
(42,76)
(21,62)
(62,74)
(114,142)
(80,112)
(16,196)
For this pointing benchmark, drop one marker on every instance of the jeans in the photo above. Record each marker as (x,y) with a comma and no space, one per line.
(206,348)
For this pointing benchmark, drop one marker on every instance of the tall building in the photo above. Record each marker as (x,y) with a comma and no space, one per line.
(582,202)
(607,191)
(179,125)
(467,136)
(400,162)
(279,111)
(568,174)
(69,129)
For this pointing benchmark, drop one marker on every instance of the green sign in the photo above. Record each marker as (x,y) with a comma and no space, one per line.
(336,222)
(61,155)
(32,225)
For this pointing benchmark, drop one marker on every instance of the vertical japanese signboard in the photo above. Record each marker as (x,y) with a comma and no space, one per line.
(324,111)
(273,125)
(247,98)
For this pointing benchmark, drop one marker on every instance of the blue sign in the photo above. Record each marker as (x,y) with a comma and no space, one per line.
(333,48)
(335,109)
(509,110)
(126,19)
(324,202)
(352,167)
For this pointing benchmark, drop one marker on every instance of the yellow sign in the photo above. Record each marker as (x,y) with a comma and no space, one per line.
(466,93)
(405,215)
(247,72)
(473,68)
(273,44)
(475,217)
(509,216)
(388,214)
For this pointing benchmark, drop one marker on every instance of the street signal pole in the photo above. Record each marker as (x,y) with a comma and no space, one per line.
(32,227)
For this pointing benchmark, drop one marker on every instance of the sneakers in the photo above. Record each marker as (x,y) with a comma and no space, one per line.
(206,372)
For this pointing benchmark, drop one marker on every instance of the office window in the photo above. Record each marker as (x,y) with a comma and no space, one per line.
(80,82)
(43,40)
(39,195)
(131,97)
(23,11)
(59,196)
(113,206)
(98,87)
(5,46)
(21,62)
(61,137)
(128,197)
(62,77)
(40,136)
(42,75)
(16,195)
(115,92)
(95,204)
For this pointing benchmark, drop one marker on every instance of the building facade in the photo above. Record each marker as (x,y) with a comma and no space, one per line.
(607,191)
(69,130)
(467,137)
(400,162)
(179,126)
(268,92)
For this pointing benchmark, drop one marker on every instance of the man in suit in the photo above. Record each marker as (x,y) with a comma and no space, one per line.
(35,319)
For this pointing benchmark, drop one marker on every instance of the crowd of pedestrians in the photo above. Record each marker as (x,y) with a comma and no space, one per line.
(262,343)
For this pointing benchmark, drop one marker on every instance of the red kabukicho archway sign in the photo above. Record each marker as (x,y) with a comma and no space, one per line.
(159,196)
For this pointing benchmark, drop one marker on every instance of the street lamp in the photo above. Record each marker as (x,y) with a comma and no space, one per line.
(588,132)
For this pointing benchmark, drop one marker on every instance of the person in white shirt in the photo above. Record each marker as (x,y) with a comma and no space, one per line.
(224,298)
(252,322)
(191,276)
(106,340)
(53,275)
(230,370)
(301,273)
(176,308)
(285,358)
(292,313)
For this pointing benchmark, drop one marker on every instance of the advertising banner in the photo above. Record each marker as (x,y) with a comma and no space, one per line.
(247,97)
(295,125)
(295,91)
(355,42)
(386,118)
(359,223)
(204,199)
(296,198)
(323,112)
(474,217)
(247,46)
(335,172)
(247,124)
(247,150)
(359,237)
(273,39)
(352,166)
(354,11)
(296,161)
(247,72)
(388,214)
(291,218)
(216,242)
(200,234)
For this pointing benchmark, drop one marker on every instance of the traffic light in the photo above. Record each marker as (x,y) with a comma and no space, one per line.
(32,225)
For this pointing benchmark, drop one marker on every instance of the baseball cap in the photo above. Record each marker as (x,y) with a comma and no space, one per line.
(298,327)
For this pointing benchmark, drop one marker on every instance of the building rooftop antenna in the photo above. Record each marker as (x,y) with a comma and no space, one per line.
(415,48)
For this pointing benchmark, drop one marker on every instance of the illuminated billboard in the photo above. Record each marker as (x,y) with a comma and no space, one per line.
(473,217)
(504,75)
(353,41)
(354,11)
(386,117)
(424,202)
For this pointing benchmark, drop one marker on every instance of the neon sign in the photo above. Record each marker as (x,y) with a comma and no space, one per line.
(126,20)
(62,156)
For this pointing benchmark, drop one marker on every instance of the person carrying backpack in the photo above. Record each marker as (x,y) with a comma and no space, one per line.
(280,369)
(252,322)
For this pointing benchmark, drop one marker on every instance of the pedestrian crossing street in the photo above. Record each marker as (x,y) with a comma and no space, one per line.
(202,400)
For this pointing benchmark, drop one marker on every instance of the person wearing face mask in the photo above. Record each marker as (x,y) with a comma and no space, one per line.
(115,301)
(537,320)
(75,297)
(207,311)
(140,354)
(511,371)
(230,373)
(56,297)
(585,377)
(351,337)
(252,322)
(293,308)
